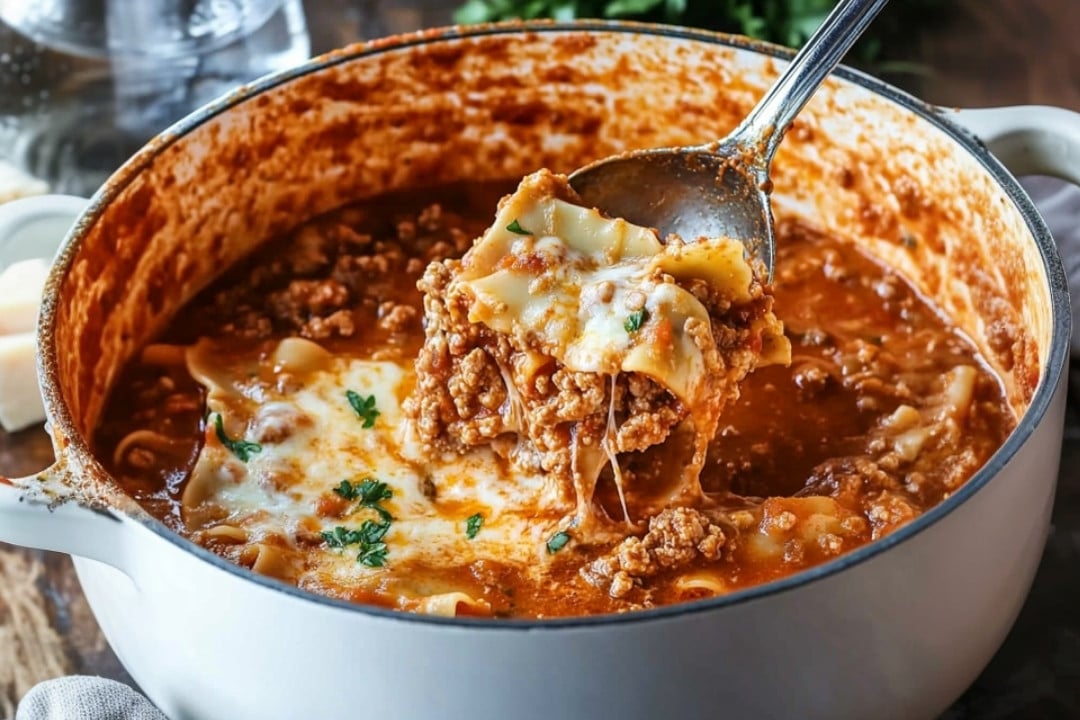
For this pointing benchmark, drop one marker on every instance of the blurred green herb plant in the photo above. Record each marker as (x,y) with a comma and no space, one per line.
(787,22)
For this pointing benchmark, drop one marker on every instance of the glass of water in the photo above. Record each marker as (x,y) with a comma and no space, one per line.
(84,83)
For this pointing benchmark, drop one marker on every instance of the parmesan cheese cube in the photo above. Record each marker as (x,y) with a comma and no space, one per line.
(21,286)
(20,400)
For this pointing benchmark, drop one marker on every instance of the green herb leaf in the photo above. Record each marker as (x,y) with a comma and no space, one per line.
(373,491)
(558,541)
(373,555)
(369,537)
(372,532)
(339,537)
(347,490)
(372,549)
(364,407)
(636,320)
(472,525)
(515,227)
(242,449)
(370,493)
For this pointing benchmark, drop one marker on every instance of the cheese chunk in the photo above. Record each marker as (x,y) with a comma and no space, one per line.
(21,285)
(20,400)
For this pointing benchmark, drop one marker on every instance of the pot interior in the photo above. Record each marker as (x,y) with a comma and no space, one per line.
(499,104)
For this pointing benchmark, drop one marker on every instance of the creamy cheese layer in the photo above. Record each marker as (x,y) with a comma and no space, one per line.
(310,439)
(595,293)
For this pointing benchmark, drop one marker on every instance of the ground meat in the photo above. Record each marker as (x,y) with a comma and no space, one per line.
(308,253)
(338,277)
(887,511)
(811,378)
(847,479)
(303,299)
(474,386)
(338,324)
(677,537)
(397,318)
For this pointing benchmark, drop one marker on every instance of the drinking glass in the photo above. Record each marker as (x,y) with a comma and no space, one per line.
(84,83)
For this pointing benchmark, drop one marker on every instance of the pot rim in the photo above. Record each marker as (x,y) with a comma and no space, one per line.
(1049,381)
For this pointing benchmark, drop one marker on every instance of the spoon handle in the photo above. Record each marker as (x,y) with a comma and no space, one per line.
(764,127)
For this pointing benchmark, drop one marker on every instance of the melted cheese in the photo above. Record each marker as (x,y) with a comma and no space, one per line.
(570,280)
(275,494)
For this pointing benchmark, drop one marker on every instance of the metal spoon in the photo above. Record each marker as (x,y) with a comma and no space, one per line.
(722,188)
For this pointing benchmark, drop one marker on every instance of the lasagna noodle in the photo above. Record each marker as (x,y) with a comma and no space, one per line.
(554,284)
(453,604)
(264,510)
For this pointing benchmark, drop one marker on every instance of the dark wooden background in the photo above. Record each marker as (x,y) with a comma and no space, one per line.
(980,53)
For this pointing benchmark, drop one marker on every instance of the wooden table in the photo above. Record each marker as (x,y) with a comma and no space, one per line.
(985,52)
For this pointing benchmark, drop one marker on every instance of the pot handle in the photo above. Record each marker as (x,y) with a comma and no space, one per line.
(36,512)
(1028,139)
(40,511)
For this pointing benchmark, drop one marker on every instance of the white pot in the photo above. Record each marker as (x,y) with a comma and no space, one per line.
(896,629)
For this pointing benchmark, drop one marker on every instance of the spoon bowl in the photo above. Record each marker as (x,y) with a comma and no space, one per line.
(721,189)
(695,192)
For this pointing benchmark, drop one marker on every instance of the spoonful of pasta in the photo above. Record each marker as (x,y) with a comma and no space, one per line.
(722,188)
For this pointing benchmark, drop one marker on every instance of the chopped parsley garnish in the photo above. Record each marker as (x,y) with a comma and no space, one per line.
(367,491)
(242,449)
(636,320)
(515,227)
(370,493)
(558,541)
(364,407)
(472,525)
(339,537)
(372,549)
(369,537)
(373,555)
(347,490)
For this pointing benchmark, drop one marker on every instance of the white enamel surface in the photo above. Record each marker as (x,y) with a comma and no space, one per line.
(68,528)
(898,635)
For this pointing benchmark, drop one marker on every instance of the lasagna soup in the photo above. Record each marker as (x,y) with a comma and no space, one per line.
(404,404)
